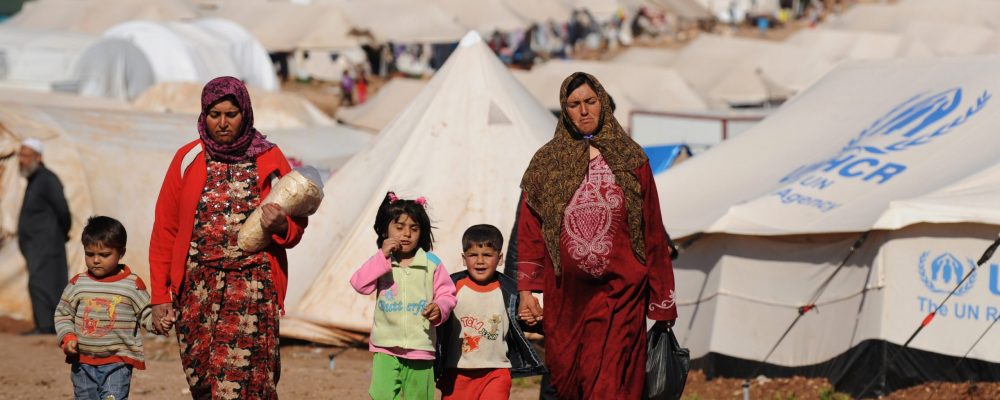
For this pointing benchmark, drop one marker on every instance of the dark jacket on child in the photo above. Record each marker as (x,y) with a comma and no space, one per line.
(524,361)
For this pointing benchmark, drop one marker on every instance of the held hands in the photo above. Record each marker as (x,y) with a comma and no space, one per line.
(432,312)
(163,318)
(529,310)
(390,245)
(71,348)
(273,219)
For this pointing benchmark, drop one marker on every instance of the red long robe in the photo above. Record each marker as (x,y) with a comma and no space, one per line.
(595,313)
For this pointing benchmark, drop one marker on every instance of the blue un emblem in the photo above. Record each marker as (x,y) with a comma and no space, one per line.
(941,274)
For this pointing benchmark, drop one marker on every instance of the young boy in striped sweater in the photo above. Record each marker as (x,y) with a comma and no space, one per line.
(98,317)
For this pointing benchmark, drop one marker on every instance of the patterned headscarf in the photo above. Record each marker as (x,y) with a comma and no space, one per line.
(249,142)
(558,168)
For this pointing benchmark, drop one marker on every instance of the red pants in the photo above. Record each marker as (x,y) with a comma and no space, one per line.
(482,384)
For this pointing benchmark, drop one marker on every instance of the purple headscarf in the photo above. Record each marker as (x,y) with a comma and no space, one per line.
(249,142)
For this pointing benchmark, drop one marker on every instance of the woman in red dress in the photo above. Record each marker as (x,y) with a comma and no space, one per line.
(592,242)
(225,301)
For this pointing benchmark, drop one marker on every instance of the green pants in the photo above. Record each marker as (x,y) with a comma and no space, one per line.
(398,378)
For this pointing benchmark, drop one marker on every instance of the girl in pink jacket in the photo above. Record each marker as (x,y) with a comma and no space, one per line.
(414,295)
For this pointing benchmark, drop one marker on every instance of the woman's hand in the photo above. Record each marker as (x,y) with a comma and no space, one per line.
(390,245)
(273,219)
(529,310)
(163,318)
(433,313)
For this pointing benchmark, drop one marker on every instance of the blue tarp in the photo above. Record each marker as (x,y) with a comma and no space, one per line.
(662,157)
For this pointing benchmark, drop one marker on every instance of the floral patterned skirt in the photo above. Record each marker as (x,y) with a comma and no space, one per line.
(227,327)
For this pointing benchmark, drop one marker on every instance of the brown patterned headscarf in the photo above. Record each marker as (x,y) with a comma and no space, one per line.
(559,167)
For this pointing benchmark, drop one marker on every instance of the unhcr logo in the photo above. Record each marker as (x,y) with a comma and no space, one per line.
(941,274)
(911,124)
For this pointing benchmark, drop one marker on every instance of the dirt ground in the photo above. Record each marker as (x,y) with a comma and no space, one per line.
(33,368)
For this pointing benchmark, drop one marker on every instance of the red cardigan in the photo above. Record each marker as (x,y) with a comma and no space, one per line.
(174,222)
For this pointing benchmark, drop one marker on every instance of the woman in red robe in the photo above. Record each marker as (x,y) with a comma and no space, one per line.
(592,242)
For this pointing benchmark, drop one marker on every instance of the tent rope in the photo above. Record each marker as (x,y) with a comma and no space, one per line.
(811,305)
(930,317)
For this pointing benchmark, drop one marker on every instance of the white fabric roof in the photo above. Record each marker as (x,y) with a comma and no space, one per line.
(272,110)
(540,10)
(470,109)
(316,26)
(832,159)
(483,16)
(973,199)
(39,57)
(727,70)
(96,16)
(859,45)
(633,87)
(402,21)
(388,103)
(134,55)
(650,56)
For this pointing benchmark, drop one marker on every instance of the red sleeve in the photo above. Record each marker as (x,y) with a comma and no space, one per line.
(165,223)
(662,305)
(530,249)
(296,225)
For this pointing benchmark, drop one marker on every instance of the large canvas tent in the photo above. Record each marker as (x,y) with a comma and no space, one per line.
(633,87)
(135,55)
(111,162)
(474,120)
(767,218)
(96,16)
(37,59)
(380,109)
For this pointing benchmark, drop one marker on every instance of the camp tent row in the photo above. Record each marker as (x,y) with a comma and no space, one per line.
(902,149)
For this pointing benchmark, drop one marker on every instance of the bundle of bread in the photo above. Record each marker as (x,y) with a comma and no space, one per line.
(299,193)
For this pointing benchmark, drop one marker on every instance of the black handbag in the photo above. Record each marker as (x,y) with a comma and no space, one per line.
(667,365)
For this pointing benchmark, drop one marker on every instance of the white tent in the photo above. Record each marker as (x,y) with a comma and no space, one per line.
(483,16)
(473,120)
(649,56)
(272,110)
(388,103)
(735,11)
(402,21)
(540,11)
(134,55)
(633,87)
(859,45)
(316,26)
(112,162)
(874,146)
(37,59)
(96,16)
(733,71)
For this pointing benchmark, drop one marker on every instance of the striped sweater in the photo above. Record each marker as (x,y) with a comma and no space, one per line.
(103,315)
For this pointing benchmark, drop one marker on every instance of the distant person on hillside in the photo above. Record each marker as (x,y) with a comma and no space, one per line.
(100,313)
(362,85)
(346,88)
(42,231)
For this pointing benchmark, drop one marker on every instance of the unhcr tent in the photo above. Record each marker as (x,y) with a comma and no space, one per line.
(858,45)
(112,162)
(135,55)
(633,87)
(463,143)
(768,220)
(389,102)
(402,21)
(316,26)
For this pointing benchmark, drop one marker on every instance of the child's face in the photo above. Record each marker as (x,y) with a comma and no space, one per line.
(407,231)
(481,261)
(102,261)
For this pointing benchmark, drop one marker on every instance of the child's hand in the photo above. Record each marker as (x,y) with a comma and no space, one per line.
(433,313)
(529,310)
(390,245)
(70,348)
